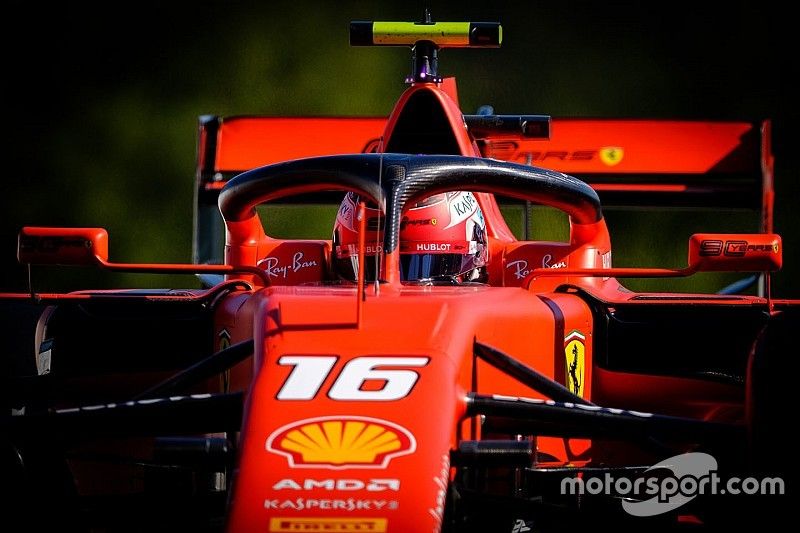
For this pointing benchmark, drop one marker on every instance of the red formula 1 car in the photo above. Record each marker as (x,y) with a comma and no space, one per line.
(425,368)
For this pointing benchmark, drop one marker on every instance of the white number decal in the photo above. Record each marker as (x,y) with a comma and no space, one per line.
(310,372)
(397,383)
(307,376)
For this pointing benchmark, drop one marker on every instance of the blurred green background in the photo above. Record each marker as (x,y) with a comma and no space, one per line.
(102,104)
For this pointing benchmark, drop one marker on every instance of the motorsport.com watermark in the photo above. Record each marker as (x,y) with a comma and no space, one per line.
(692,474)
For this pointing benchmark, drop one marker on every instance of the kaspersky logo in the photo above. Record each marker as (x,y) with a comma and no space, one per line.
(340,442)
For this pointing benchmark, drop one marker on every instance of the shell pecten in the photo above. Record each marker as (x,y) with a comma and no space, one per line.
(341,442)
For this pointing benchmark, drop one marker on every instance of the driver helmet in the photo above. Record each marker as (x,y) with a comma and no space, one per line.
(442,239)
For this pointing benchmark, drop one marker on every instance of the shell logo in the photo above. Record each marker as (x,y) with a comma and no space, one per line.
(340,442)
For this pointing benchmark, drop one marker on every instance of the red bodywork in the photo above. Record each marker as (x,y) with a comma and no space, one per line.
(354,404)
(432,330)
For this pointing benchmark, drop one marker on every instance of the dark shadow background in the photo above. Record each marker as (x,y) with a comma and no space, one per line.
(101,103)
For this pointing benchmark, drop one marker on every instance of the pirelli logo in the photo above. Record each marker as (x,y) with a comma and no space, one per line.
(340,525)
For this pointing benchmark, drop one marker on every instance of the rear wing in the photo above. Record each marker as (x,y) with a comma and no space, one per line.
(232,145)
(655,162)
(643,163)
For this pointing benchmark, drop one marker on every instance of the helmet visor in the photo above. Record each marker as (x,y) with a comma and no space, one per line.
(446,267)
(347,267)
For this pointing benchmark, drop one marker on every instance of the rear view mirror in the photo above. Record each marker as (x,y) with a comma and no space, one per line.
(735,252)
(62,246)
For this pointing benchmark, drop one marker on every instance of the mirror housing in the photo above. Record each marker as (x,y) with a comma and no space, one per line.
(735,252)
(62,246)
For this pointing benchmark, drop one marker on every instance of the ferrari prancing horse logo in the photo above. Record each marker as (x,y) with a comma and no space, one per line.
(575,359)
(611,155)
